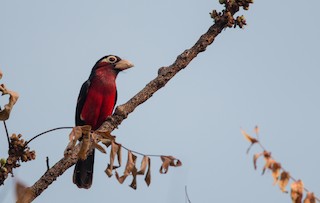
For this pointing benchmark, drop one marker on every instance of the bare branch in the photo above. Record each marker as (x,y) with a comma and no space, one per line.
(53,173)
(164,75)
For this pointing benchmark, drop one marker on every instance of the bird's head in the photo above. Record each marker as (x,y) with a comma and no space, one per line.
(112,63)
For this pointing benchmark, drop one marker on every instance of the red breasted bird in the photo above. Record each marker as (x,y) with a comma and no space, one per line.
(96,101)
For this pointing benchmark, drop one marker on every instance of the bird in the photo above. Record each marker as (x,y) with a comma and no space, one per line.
(96,101)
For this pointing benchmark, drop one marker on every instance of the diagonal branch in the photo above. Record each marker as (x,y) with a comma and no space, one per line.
(122,111)
(164,75)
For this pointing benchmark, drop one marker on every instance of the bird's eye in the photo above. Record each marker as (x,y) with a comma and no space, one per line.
(110,59)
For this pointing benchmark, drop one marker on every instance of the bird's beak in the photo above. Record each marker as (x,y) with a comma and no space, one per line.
(123,65)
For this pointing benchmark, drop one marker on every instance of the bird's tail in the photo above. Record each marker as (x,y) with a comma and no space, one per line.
(83,172)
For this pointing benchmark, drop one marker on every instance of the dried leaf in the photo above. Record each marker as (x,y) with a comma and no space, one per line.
(106,142)
(248,137)
(268,165)
(269,161)
(95,144)
(23,193)
(86,129)
(105,135)
(119,155)
(5,113)
(130,169)
(75,134)
(143,166)
(310,198)
(131,163)
(1,74)
(266,154)
(108,171)
(255,158)
(168,161)
(115,148)
(144,163)
(99,147)
(275,172)
(134,180)
(297,191)
(165,164)
(147,179)
(85,145)
(122,179)
(284,180)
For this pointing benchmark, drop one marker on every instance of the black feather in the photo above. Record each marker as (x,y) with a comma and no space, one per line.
(83,171)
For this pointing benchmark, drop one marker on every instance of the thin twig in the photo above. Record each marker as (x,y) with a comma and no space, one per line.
(47,161)
(150,155)
(187,196)
(6,129)
(8,137)
(59,128)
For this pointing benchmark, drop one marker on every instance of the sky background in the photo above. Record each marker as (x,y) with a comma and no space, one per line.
(266,74)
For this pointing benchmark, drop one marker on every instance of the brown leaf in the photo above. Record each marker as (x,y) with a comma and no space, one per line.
(122,178)
(284,180)
(168,161)
(108,170)
(105,137)
(310,198)
(269,161)
(268,165)
(75,134)
(131,163)
(255,158)
(275,172)
(115,148)
(85,144)
(119,155)
(143,166)
(23,193)
(105,134)
(106,142)
(147,179)
(297,191)
(1,74)
(86,129)
(266,154)
(165,164)
(248,137)
(134,180)
(5,113)
(99,147)
(130,169)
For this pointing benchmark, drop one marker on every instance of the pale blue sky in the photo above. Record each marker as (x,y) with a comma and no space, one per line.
(266,74)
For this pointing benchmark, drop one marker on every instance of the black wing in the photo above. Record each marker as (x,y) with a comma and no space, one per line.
(83,171)
(81,100)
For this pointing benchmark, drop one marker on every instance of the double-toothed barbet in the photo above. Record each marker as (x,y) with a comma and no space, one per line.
(96,101)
